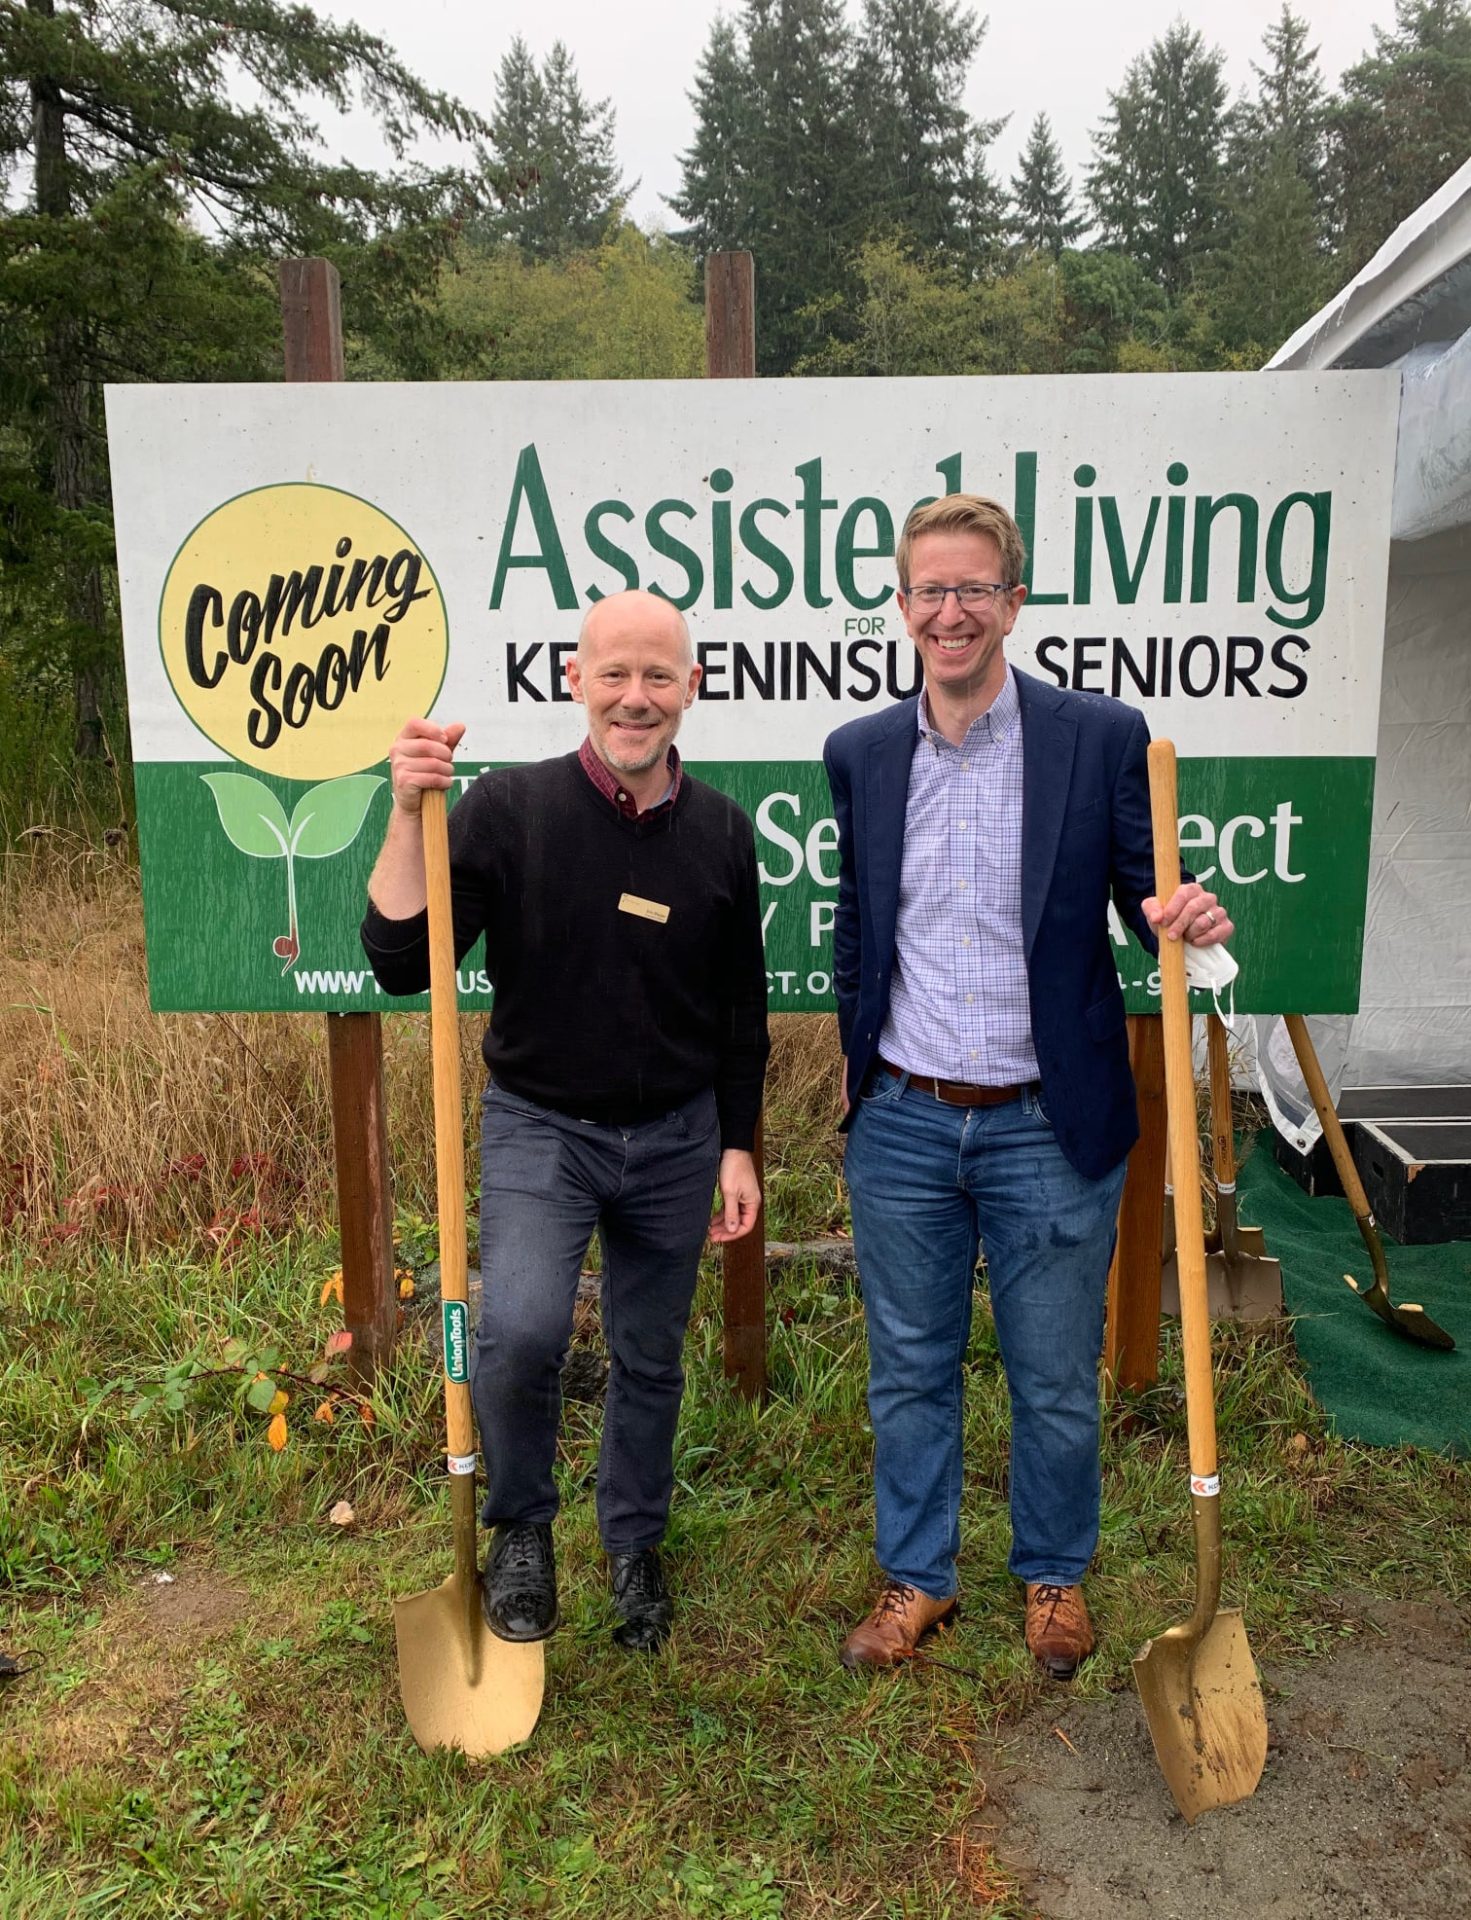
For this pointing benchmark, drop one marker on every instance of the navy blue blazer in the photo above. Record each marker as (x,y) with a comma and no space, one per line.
(1085,832)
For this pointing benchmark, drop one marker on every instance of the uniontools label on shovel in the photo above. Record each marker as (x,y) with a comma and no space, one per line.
(456,1341)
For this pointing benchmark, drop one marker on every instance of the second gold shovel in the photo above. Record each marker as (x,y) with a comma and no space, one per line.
(1242,1280)
(1198,1680)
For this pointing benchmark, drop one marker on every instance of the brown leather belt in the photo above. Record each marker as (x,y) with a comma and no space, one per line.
(955,1093)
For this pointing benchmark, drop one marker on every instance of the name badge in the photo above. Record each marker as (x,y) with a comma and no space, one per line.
(642,909)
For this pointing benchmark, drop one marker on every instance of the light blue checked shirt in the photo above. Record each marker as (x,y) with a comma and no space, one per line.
(958,1006)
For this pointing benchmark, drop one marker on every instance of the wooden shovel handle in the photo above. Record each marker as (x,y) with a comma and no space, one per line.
(1184,1140)
(1311,1069)
(449,1123)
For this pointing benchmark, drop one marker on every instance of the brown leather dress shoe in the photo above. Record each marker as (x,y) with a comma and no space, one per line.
(900,1620)
(1059,1632)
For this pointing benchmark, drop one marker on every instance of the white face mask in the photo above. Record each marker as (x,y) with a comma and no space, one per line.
(1212,971)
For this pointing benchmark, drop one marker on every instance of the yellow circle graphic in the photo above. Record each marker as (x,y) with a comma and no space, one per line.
(300,628)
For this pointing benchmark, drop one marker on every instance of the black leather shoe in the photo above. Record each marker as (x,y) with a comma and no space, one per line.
(640,1599)
(519,1593)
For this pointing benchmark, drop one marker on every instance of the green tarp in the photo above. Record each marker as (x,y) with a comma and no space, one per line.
(1378,1387)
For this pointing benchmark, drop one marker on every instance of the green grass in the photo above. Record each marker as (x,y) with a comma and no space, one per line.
(256,1762)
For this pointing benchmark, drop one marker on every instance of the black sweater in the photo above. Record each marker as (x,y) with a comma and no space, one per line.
(599,1012)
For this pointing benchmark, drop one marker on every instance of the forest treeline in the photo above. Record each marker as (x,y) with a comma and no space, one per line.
(159,158)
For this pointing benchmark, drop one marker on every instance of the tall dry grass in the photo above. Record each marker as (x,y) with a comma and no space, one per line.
(119,1123)
(116,1121)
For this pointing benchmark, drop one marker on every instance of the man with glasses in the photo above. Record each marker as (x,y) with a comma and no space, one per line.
(987,1096)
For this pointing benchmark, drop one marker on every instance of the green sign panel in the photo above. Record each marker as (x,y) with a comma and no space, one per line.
(1283,842)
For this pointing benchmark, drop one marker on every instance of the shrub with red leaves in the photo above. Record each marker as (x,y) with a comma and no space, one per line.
(234,1223)
(16,1187)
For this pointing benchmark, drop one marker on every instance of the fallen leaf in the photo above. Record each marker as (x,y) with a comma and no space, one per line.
(331,1289)
(339,1342)
(406,1287)
(342,1514)
(280,1401)
(367,1415)
(276,1433)
(325,1414)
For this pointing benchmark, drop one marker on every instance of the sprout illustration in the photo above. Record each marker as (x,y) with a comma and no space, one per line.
(325,820)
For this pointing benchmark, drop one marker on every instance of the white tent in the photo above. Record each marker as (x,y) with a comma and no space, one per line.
(1410,308)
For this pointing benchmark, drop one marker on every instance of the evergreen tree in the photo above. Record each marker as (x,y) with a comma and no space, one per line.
(784,97)
(1042,216)
(925,170)
(809,138)
(1155,185)
(1403,124)
(120,120)
(981,205)
(557,147)
(518,114)
(1289,109)
(716,195)
(1271,271)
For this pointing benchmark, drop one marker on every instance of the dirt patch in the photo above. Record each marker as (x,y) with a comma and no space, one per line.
(1363,1812)
(139,1658)
(193,1605)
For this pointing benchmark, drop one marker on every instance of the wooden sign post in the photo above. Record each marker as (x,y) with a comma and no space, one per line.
(730,354)
(311,317)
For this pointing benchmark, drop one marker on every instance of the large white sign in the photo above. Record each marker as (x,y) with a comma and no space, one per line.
(303,566)
(1210,547)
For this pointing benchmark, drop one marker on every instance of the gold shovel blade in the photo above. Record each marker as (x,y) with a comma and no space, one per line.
(1203,1702)
(1252,1292)
(462,1685)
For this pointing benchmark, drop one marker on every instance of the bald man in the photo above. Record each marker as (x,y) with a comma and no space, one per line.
(627,1050)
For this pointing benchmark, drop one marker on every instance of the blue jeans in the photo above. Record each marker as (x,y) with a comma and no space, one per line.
(929,1183)
(546,1181)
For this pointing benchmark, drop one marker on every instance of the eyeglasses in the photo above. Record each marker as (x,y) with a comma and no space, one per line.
(975,593)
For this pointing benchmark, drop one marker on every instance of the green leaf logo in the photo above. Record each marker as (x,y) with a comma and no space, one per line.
(253,818)
(325,820)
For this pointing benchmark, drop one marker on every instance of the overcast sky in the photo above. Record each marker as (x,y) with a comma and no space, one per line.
(1060,57)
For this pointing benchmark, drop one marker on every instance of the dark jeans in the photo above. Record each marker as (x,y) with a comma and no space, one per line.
(546,1182)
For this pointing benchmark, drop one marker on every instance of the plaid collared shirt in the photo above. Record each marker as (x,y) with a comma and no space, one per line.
(613,791)
(959,1006)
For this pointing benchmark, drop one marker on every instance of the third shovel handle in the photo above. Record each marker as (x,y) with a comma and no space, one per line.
(1343,1161)
(1312,1072)
(449,1124)
(1183,1137)
(1223,1144)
